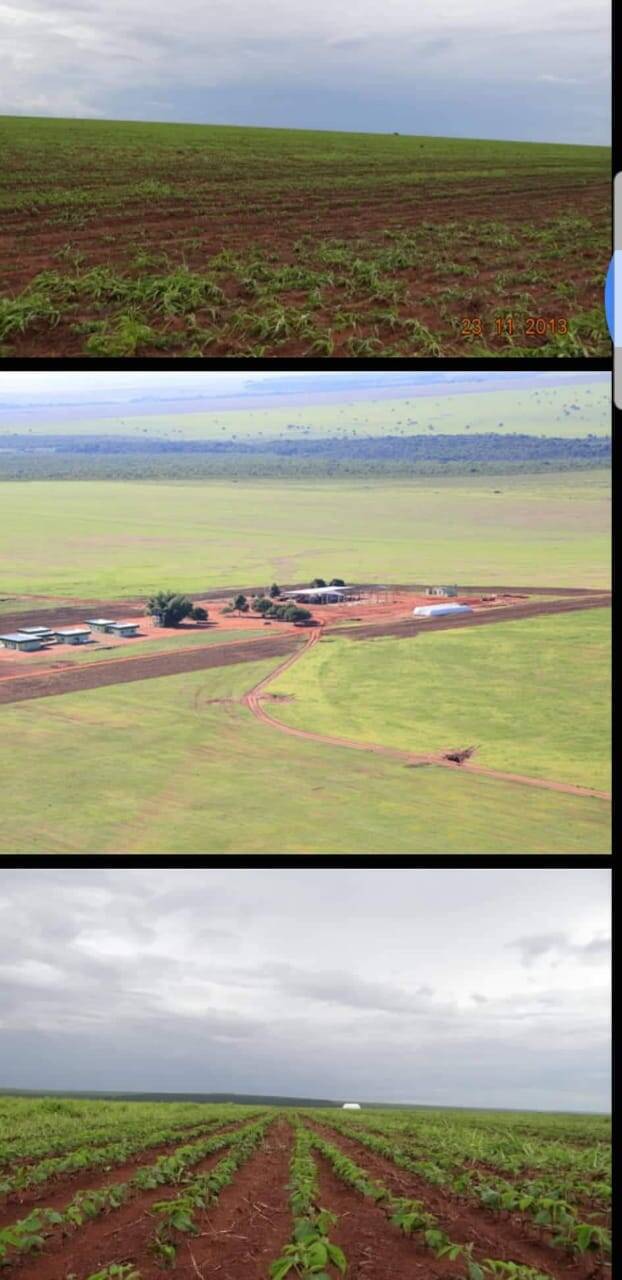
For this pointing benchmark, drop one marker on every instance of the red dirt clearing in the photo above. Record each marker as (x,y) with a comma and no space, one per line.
(95,675)
(511,1238)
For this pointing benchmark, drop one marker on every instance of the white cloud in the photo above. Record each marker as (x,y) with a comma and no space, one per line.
(76,55)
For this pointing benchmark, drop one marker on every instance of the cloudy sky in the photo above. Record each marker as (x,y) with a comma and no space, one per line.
(450,987)
(460,68)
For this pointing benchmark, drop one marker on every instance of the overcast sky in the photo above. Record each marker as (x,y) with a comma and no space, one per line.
(454,987)
(460,68)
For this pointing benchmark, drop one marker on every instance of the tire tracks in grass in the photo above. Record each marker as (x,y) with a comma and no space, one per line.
(253,700)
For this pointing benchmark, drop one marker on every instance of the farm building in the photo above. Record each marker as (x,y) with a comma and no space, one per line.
(21,640)
(101,624)
(74,635)
(124,629)
(113,628)
(43,633)
(441,591)
(318,595)
(440,610)
(351,1106)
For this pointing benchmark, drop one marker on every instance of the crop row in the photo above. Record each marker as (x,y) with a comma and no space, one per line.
(511,1152)
(29,1233)
(550,1211)
(310,1252)
(413,1219)
(35,1127)
(88,1157)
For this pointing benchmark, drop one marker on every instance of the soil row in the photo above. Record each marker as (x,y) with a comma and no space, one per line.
(95,675)
(59,1190)
(245,1229)
(509,613)
(507,1237)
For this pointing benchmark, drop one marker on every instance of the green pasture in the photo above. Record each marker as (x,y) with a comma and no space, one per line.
(579,409)
(106,539)
(158,767)
(533,696)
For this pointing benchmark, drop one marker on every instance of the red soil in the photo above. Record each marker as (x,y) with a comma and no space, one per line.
(510,1238)
(239,1235)
(94,675)
(374,1249)
(61,1188)
(52,657)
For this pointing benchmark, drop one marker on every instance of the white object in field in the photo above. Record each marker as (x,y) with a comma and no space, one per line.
(351,1106)
(438,610)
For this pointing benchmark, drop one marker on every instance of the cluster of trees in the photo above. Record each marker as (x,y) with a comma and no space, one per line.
(269,607)
(423,455)
(170,608)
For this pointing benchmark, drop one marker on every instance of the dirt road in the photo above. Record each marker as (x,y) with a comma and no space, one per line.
(253,700)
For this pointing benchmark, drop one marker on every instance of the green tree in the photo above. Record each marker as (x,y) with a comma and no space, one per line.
(240,603)
(295,614)
(275,590)
(262,604)
(199,614)
(337,582)
(318,582)
(169,608)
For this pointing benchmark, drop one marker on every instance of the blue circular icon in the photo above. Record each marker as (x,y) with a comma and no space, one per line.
(609,297)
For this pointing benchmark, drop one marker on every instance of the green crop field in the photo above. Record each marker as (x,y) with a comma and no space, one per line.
(392,1171)
(578,409)
(97,539)
(125,239)
(533,695)
(158,766)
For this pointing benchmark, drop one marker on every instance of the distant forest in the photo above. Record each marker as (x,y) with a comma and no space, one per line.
(58,457)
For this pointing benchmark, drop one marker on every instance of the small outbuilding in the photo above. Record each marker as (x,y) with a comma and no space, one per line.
(101,624)
(73,635)
(125,629)
(43,633)
(440,610)
(20,640)
(447,592)
(351,1106)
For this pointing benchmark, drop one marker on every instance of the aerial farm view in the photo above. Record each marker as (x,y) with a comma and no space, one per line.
(310,612)
(429,1099)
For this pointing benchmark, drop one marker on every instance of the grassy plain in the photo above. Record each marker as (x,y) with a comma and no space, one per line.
(158,767)
(575,410)
(106,540)
(126,239)
(533,695)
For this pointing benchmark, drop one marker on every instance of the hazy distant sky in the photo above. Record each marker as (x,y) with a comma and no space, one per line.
(460,68)
(75,387)
(466,987)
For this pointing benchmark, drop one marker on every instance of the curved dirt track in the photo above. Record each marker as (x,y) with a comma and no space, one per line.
(253,700)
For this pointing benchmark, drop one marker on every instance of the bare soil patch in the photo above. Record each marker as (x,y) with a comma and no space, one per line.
(95,675)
